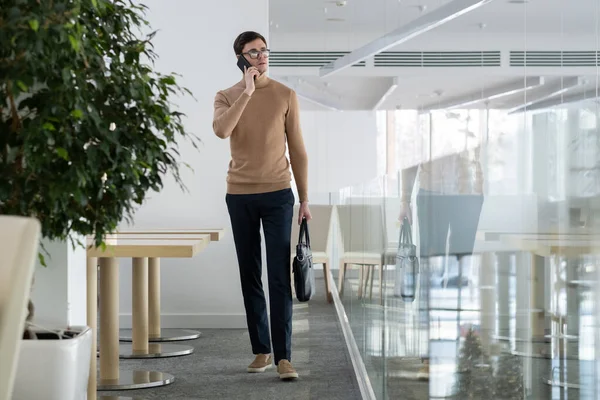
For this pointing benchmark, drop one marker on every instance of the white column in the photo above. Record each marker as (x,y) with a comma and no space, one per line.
(487,295)
(59,290)
(503,295)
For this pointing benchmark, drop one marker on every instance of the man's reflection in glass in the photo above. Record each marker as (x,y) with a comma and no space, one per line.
(449,198)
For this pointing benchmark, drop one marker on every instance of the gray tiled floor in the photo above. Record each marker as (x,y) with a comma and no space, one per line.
(217,368)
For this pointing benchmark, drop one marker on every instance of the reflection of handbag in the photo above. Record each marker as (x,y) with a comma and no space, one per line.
(304,274)
(407,264)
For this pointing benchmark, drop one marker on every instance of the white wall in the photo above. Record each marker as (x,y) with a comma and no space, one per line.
(195,40)
(342,149)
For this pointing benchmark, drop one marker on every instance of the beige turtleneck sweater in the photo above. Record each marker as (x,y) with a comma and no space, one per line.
(259,127)
(453,174)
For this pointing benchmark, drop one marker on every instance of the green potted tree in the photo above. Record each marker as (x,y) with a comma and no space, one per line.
(474,369)
(87,129)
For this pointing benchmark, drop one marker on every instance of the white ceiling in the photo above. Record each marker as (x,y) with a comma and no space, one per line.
(539,16)
(301,25)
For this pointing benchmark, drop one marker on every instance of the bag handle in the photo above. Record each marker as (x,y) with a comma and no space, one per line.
(406,232)
(304,233)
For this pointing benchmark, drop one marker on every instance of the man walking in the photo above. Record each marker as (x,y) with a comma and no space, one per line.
(260,116)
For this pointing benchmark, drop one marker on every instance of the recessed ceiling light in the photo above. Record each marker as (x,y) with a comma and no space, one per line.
(518,1)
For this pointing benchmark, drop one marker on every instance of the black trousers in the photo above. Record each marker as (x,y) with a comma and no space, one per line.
(275,211)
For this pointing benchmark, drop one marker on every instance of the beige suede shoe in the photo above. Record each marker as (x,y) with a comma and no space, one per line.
(423,374)
(261,363)
(286,371)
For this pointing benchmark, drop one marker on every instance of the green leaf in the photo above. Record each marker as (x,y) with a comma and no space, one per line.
(169,80)
(83,200)
(34,24)
(74,42)
(95,4)
(66,75)
(77,113)
(62,153)
(12,153)
(49,126)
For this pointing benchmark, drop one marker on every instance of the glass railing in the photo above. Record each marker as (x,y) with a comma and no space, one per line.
(505,299)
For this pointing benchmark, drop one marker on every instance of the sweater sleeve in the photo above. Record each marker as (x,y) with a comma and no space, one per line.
(226,117)
(408,182)
(298,157)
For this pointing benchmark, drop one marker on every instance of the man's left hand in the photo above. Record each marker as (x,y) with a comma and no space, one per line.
(304,212)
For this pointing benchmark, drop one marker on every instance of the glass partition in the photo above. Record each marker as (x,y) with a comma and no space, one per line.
(467,261)
(504,302)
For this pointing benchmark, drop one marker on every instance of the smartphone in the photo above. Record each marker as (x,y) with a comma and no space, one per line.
(242,62)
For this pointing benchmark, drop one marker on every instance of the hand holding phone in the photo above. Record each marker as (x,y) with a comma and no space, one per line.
(250,74)
(243,63)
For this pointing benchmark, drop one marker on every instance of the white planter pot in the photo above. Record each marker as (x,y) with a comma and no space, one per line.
(54,369)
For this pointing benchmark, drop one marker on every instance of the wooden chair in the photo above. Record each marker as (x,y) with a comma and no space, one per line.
(363,243)
(19,238)
(320,229)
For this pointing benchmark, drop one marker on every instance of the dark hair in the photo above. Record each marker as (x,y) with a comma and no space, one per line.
(244,38)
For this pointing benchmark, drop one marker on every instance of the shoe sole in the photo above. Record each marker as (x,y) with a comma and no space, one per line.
(258,370)
(288,376)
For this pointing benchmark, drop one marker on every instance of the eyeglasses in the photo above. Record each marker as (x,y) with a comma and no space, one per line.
(254,53)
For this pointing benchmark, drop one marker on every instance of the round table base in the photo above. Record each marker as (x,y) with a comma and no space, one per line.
(565,385)
(166,335)
(129,380)
(532,339)
(155,350)
(118,398)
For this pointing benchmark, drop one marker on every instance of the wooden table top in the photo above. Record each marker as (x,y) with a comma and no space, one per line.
(216,234)
(155,247)
(157,236)
(544,245)
(493,236)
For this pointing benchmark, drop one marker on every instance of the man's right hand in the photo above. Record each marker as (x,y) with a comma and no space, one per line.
(249,75)
(405,212)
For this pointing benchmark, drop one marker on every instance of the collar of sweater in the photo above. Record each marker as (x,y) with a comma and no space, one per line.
(260,82)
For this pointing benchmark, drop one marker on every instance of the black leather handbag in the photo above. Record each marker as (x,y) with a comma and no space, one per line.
(304,274)
(407,265)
